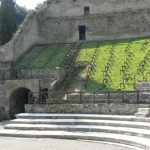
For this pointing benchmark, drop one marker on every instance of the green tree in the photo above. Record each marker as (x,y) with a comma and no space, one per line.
(11,16)
(8,20)
(0,23)
(21,12)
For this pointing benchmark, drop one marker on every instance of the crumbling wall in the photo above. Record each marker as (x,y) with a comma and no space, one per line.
(23,39)
(119,25)
(107,20)
(57,73)
(63,8)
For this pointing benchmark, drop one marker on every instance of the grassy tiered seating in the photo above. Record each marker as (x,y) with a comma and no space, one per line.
(116,65)
(48,57)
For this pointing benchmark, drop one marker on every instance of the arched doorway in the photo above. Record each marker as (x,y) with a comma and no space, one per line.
(18,99)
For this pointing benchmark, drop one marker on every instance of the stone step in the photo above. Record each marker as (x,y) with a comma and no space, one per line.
(129,124)
(128,130)
(138,142)
(82,128)
(82,116)
(143,112)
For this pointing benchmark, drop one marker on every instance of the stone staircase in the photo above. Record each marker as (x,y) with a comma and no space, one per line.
(69,62)
(127,130)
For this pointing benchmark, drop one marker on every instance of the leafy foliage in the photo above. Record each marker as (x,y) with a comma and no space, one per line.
(8,23)
(11,16)
(21,12)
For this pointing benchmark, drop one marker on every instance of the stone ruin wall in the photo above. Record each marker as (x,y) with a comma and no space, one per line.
(57,73)
(101,108)
(63,8)
(56,23)
(98,27)
(23,39)
(108,20)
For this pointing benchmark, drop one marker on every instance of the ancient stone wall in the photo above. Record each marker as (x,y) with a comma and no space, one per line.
(63,8)
(12,85)
(33,85)
(24,38)
(98,27)
(56,73)
(101,108)
(59,21)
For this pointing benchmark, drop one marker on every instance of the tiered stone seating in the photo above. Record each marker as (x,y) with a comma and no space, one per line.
(128,130)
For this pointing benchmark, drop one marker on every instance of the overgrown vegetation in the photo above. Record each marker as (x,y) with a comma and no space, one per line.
(113,65)
(11,16)
(116,64)
(48,57)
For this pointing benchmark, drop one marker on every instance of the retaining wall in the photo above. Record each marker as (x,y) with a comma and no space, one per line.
(101,108)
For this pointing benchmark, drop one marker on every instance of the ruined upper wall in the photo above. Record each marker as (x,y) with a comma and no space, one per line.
(63,8)
(58,21)
(23,39)
(98,27)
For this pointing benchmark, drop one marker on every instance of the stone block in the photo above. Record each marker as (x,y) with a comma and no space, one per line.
(143,86)
(143,112)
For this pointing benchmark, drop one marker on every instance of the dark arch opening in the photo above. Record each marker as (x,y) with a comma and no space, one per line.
(18,99)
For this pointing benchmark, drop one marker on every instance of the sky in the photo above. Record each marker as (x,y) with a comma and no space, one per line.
(29,4)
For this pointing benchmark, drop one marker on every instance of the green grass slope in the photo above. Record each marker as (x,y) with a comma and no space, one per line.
(47,57)
(128,62)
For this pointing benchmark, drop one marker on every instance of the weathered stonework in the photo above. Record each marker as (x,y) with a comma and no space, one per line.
(100,108)
(55,73)
(63,8)
(143,112)
(32,85)
(12,85)
(24,38)
(59,21)
(143,86)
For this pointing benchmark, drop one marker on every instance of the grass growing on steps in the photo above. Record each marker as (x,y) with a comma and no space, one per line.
(119,48)
(48,57)
(86,52)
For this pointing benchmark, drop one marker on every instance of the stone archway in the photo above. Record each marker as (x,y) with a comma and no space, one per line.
(12,90)
(18,99)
